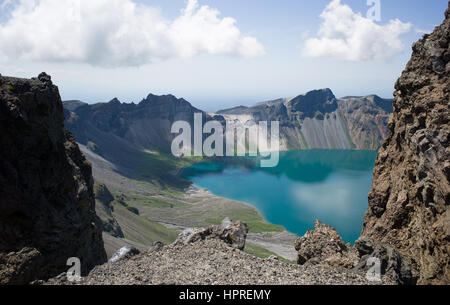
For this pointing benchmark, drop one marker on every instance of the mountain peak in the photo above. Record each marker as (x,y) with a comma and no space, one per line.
(114,101)
(153,98)
(314,102)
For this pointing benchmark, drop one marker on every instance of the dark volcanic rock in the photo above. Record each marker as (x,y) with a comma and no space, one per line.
(47,211)
(410,196)
(396,266)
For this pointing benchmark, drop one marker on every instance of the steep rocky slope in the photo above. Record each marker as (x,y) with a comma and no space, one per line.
(47,212)
(366,119)
(410,196)
(317,120)
(144,125)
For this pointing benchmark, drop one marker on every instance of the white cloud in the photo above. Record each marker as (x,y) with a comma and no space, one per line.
(347,35)
(114,33)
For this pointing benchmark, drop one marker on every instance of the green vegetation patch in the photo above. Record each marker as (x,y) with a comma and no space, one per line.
(158,164)
(161,170)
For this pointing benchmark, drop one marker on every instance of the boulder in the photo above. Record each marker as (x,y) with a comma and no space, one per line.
(234,234)
(324,245)
(157,245)
(396,266)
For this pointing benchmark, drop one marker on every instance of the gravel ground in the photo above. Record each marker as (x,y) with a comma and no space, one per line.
(211,262)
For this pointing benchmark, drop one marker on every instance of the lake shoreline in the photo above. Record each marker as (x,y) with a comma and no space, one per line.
(281,243)
(330,186)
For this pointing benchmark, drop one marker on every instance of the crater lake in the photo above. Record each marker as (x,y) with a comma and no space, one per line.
(329,185)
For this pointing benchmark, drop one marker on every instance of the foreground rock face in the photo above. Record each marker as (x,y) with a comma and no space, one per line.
(47,212)
(410,196)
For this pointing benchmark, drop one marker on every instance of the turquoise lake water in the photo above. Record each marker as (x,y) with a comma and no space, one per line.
(328,185)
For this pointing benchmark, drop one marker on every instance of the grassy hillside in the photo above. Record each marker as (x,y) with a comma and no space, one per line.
(141,230)
(123,221)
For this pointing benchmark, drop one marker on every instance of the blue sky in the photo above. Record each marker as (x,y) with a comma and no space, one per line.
(266,60)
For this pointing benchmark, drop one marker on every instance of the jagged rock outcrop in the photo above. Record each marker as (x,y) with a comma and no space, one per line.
(229,232)
(410,196)
(324,245)
(47,208)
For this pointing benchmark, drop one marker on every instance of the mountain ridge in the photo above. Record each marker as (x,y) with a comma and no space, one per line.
(315,120)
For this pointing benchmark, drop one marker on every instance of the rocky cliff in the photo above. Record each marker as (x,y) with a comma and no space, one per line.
(366,120)
(47,209)
(410,196)
(318,120)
